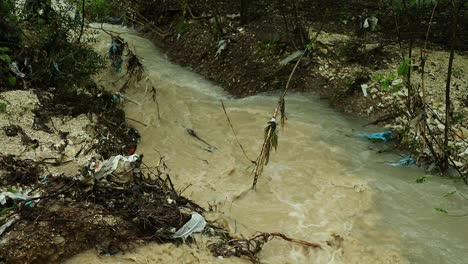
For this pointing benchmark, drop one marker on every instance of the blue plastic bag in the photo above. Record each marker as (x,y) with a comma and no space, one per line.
(383,136)
(408,161)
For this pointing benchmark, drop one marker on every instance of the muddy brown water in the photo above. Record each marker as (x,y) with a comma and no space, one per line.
(323,183)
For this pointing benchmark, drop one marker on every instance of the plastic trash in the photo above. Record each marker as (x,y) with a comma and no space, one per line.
(222,44)
(408,161)
(115,48)
(292,57)
(8,224)
(366,23)
(16,71)
(364,89)
(13,196)
(107,167)
(373,22)
(56,67)
(383,136)
(195,225)
(116,20)
(115,53)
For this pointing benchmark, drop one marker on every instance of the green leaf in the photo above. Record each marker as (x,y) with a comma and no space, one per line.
(386,84)
(421,179)
(404,67)
(12,81)
(5,58)
(377,77)
(441,210)
(3,107)
(274,140)
(12,190)
(5,211)
(4,49)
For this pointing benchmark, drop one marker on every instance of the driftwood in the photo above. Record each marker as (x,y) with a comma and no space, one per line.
(249,248)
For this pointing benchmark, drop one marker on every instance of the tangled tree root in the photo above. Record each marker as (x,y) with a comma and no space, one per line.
(249,248)
(68,216)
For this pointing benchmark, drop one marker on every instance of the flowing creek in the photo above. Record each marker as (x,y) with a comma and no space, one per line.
(323,183)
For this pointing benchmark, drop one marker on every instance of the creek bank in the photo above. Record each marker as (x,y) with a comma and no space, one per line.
(48,141)
(342,67)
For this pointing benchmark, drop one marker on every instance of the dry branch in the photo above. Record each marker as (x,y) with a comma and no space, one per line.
(235,134)
(249,248)
(263,158)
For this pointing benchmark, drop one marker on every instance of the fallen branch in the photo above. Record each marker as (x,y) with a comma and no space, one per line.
(250,247)
(136,121)
(155,99)
(293,240)
(263,158)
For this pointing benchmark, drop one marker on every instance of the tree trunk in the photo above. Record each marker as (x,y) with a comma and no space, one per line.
(455,14)
(244,7)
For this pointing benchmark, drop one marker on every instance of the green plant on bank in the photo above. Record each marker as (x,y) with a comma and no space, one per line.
(393,82)
(3,107)
(182,26)
(97,10)
(5,62)
(266,50)
(51,51)
(422,179)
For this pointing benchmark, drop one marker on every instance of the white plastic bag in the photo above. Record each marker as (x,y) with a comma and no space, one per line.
(195,225)
(107,167)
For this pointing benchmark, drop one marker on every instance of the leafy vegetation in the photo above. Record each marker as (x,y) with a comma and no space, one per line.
(44,50)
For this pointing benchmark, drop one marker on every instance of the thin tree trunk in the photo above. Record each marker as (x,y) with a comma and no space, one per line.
(455,13)
(244,7)
(217,18)
(82,20)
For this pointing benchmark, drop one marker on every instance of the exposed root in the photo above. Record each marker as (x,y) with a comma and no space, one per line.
(249,248)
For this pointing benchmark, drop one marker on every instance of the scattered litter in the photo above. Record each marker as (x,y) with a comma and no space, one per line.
(370,22)
(408,161)
(8,224)
(364,89)
(373,22)
(292,57)
(195,225)
(233,16)
(116,20)
(116,98)
(222,44)
(14,196)
(108,166)
(56,67)
(366,23)
(16,71)
(115,53)
(383,136)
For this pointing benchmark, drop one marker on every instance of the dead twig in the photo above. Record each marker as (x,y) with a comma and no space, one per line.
(251,246)
(155,99)
(136,121)
(235,134)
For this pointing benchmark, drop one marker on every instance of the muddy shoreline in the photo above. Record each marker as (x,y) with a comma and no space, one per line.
(52,208)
